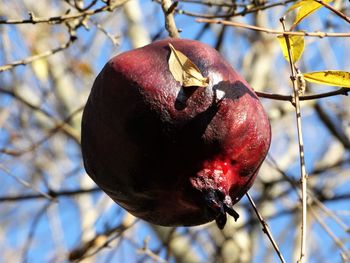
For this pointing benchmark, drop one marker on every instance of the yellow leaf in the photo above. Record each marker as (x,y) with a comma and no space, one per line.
(184,70)
(41,69)
(329,77)
(306,7)
(296,5)
(296,47)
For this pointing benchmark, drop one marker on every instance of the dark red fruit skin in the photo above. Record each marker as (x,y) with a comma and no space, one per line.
(157,149)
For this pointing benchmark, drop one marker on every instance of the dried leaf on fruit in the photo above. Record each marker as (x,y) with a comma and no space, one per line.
(306,7)
(296,46)
(184,70)
(329,77)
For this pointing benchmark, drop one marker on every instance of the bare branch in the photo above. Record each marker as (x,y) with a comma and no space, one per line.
(336,240)
(266,228)
(271,31)
(247,9)
(33,227)
(45,54)
(336,131)
(52,194)
(335,11)
(27,184)
(342,91)
(102,240)
(168,9)
(148,252)
(62,18)
(303,174)
(65,128)
(50,133)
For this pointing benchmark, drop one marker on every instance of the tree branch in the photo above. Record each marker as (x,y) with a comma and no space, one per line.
(303,174)
(62,18)
(45,54)
(169,9)
(51,193)
(272,31)
(342,91)
(335,11)
(266,228)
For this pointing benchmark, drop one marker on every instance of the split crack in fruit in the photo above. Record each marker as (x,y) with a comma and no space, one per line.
(170,154)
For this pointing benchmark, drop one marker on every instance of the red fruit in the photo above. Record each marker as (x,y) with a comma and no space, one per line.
(168,154)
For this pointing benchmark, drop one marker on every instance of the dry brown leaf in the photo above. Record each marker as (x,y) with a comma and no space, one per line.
(184,70)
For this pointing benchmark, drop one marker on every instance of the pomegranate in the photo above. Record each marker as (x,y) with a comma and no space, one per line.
(169,154)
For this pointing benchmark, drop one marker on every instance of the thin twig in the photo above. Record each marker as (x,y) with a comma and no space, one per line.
(266,228)
(247,9)
(329,213)
(169,8)
(311,195)
(335,11)
(51,193)
(25,102)
(27,184)
(114,39)
(148,252)
(39,56)
(59,126)
(92,3)
(332,126)
(272,31)
(212,3)
(303,173)
(153,256)
(342,91)
(33,227)
(65,128)
(102,240)
(62,18)
(336,240)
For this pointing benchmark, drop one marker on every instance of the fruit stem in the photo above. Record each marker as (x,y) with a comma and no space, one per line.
(303,173)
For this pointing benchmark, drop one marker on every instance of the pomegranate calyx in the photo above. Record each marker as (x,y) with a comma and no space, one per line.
(220,204)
